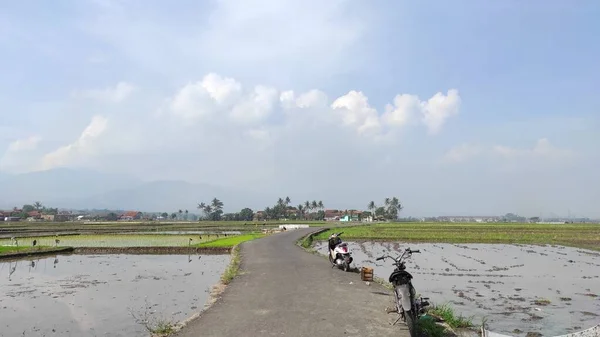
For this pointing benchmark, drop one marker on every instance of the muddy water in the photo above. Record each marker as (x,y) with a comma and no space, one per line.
(510,285)
(94,295)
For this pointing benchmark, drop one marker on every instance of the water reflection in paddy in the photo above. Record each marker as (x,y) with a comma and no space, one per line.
(94,295)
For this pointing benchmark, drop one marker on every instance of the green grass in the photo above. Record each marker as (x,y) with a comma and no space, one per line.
(233,268)
(14,249)
(446,312)
(576,235)
(230,241)
(5,250)
(428,327)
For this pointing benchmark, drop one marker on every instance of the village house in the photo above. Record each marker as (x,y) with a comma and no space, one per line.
(131,215)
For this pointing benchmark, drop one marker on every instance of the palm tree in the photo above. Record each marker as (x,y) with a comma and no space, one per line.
(320,204)
(216,204)
(180,212)
(287,201)
(372,206)
(300,210)
(314,204)
(307,205)
(37,205)
(186,214)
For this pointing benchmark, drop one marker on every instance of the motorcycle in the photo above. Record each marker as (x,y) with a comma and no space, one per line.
(408,307)
(339,256)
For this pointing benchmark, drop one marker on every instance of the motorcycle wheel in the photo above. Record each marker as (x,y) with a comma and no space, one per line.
(409,318)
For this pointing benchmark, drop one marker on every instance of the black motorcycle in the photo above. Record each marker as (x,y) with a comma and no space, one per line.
(408,307)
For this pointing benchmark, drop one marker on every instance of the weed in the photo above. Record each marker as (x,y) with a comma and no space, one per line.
(446,313)
(428,327)
(234,266)
(155,326)
(542,302)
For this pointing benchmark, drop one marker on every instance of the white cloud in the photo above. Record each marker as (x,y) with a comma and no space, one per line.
(77,150)
(463,152)
(219,118)
(26,144)
(541,150)
(256,107)
(439,108)
(20,154)
(115,94)
(355,111)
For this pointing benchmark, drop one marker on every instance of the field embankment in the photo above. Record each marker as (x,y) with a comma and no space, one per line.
(10,252)
(574,235)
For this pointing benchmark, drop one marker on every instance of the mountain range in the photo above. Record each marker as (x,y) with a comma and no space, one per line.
(88,189)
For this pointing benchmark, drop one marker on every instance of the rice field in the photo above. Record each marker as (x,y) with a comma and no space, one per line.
(230,241)
(114,240)
(576,235)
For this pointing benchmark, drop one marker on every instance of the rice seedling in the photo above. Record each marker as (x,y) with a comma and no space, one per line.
(576,235)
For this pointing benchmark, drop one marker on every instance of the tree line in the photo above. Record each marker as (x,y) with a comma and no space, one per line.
(389,210)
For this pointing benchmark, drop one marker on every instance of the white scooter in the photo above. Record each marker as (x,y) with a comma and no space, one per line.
(339,255)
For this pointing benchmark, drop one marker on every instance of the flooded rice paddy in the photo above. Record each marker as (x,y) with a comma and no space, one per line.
(95,295)
(117,240)
(552,290)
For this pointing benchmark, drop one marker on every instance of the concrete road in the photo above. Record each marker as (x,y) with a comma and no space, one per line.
(285,291)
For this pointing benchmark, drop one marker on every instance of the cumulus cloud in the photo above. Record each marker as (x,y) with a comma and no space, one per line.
(218,120)
(115,94)
(77,150)
(354,111)
(439,108)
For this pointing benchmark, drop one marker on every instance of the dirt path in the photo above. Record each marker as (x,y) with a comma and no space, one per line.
(285,291)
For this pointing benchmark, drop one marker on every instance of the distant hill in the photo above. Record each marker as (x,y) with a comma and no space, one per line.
(88,189)
(169,196)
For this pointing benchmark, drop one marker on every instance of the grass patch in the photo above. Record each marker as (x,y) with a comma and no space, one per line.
(576,235)
(234,266)
(446,312)
(542,302)
(6,250)
(231,241)
(428,327)
(307,242)
(162,328)
(22,249)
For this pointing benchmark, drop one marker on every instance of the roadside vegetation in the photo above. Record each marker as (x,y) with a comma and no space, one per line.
(447,314)
(233,268)
(576,235)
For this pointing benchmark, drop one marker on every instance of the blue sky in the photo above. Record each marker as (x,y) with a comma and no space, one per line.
(522,124)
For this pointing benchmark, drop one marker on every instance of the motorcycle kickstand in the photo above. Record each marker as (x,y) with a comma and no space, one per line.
(396,321)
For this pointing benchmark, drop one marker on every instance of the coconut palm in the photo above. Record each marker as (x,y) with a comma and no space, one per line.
(300,210)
